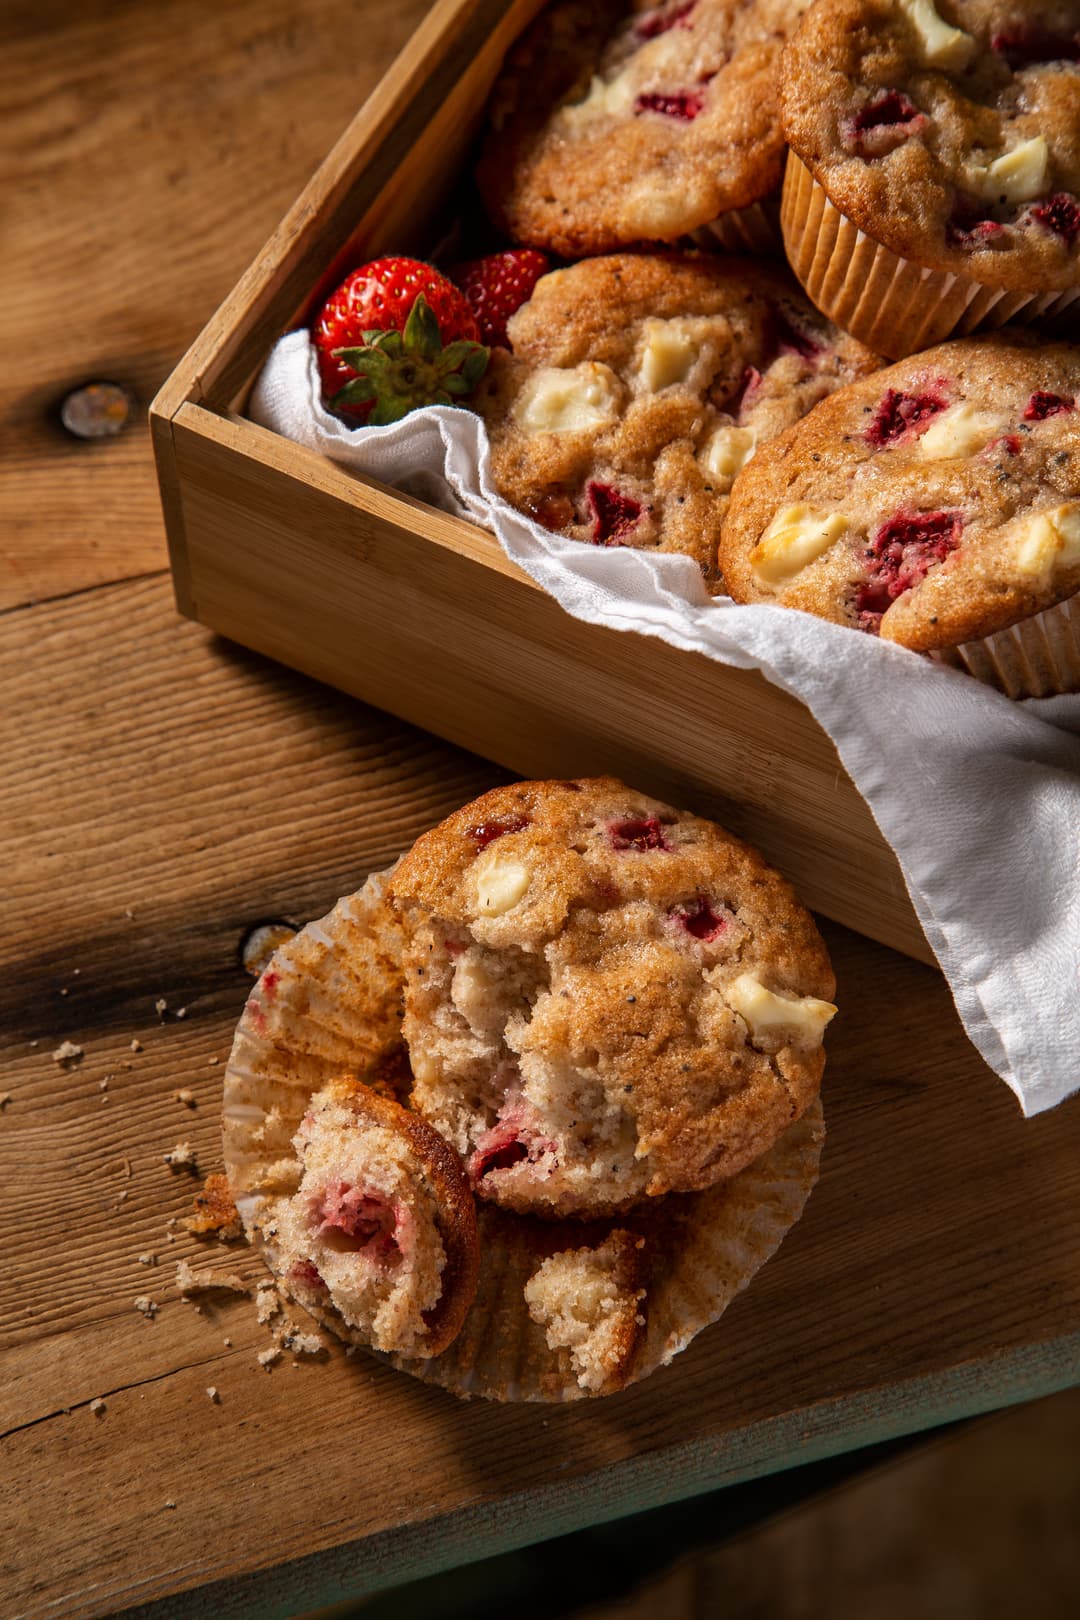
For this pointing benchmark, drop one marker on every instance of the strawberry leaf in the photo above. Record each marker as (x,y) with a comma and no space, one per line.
(390,408)
(385,343)
(354,357)
(422,336)
(357,392)
(455,354)
(475,364)
(381,372)
(470,359)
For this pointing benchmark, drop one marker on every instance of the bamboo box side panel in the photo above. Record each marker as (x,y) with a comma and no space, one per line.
(419,613)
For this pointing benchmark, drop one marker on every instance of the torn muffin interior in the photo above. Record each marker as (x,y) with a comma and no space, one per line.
(605,998)
(380,1232)
(591,1302)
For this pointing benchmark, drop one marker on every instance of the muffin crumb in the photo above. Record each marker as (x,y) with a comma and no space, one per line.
(204,1279)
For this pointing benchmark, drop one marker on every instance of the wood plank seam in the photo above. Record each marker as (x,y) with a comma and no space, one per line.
(108,1393)
(82,590)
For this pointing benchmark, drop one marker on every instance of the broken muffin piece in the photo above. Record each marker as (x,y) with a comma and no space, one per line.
(381,1231)
(592,1303)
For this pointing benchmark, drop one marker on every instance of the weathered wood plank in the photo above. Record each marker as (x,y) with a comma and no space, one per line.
(149,151)
(937,1269)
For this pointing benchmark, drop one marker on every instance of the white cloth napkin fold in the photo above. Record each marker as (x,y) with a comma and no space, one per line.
(978,796)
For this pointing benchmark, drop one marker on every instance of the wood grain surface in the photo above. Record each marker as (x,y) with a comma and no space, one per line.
(148,151)
(936,1271)
(162,792)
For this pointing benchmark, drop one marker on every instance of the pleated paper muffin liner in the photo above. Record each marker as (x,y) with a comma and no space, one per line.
(891,304)
(1038,657)
(701,1250)
(328,1004)
(754,229)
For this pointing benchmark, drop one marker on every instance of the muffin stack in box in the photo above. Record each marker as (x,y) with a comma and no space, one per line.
(676,399)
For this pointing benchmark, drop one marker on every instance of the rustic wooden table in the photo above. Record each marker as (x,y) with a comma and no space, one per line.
(164,791)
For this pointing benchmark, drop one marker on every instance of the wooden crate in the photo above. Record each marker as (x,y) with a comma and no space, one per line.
(419,612)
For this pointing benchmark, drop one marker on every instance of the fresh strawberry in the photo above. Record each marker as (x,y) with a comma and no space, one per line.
(498,285)
(394,336)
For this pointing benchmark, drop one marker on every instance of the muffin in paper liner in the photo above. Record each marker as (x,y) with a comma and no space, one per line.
(700,1250)
(753,229)
(612,124)
(329,1004)
(891,304)
(1037,657)
(966,448)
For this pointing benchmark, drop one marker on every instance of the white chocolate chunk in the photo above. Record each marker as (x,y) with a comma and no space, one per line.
(727,452)
(962,430)
(574,400)
(801,1019)
(611,100)
(1016,176)
(1049,542)
(476,996)
(500,883)
(941,45)
(670,350)
(796,536)
(654,211)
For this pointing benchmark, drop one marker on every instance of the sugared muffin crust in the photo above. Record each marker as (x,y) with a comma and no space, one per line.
(640,384)
(949,132)
(616,123)
(933,503)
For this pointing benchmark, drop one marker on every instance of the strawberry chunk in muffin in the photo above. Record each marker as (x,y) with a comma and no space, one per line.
(380,1235)
(618,121)
(639,385)
(932,504)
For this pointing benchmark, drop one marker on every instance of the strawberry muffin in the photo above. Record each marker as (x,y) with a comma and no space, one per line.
(638,386)
(616,122)
(605,999)
(568,1309)
(934,178)
(936,504)
(379,1239)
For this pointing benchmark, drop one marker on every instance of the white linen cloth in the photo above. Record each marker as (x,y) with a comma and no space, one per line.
(978,795)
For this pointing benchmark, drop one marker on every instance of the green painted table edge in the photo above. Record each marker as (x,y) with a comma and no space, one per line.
(359,1568)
